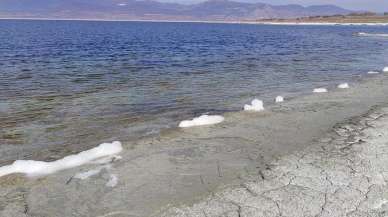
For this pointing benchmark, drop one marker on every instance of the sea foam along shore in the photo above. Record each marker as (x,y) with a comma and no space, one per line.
(343,86)
(40,168)
(202,120)
(256,106)
(279,99)
(320,90)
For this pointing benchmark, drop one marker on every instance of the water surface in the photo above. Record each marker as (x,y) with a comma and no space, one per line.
(75,84)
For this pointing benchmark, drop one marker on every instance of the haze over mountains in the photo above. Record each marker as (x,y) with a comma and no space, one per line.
(212,10)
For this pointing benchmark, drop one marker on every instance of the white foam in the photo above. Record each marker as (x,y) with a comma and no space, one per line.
(256,105)
(279,99)
(113,180)
(39,168)
(373,72)
(343,86)
(372,34)
(320,90)
(385,69)
(202,120)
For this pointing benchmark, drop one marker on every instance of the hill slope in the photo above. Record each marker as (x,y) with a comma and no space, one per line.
(148,9)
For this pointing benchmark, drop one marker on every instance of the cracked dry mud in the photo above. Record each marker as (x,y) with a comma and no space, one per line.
(344,174)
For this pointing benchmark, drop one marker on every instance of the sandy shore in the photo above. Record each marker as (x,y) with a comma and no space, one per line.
(294,159)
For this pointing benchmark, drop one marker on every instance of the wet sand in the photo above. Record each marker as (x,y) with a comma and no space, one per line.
(184,167)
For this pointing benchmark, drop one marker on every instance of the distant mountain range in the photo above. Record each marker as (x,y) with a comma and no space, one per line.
(212,10)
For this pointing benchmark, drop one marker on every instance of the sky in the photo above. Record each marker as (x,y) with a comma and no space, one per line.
(372,5)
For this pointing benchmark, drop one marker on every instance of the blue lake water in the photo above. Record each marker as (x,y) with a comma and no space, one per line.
(76,83)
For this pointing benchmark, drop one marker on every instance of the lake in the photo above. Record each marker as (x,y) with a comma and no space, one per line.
(74,84)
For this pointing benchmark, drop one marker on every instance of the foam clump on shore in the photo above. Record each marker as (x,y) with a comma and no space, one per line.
(256,106)
(202,120)
(343,86)
(39,168)
(385,69)
(320,90)
(373,72)
(279,99)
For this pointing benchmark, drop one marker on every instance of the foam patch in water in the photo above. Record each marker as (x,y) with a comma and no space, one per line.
(256,105)
(320,90)
(373,72)
(385,69)
(202,120)
(39,168)
(279,99)
(343,86)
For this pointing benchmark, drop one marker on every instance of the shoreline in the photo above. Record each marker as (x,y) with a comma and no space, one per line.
(341,174)
(56,153)
(185,165)
(205,21)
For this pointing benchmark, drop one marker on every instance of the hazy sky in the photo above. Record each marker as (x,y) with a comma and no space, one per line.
(374,5)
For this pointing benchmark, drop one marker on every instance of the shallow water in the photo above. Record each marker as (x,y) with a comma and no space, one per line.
(76,84)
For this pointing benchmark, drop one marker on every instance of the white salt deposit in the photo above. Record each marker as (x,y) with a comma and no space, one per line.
(39,168)
(320,90)
(202,120)
(343,86)
(373,72)
(279,99)
(256,105)
(385,69)
(113,180)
